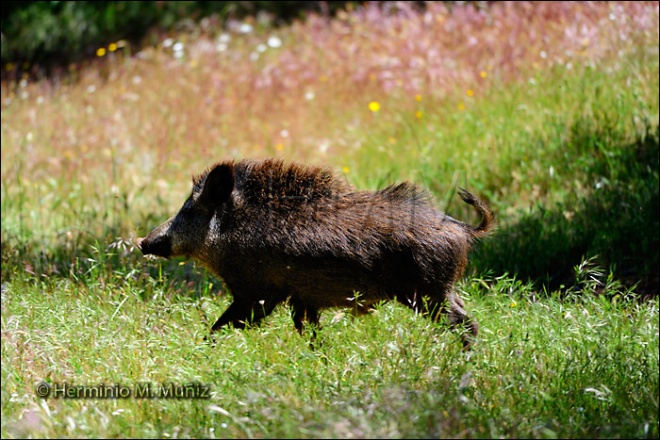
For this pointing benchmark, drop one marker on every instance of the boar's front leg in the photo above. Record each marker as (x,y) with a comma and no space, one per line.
(302,312)
(245,310)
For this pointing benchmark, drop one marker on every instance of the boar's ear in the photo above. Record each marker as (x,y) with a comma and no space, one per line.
(218,185)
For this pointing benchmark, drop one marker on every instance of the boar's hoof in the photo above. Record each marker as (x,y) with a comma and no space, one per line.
(210,340)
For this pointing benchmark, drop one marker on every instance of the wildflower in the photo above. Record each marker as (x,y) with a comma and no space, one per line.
(392,140)
(418,114)
(279,146)
(513,304)
(345,169)
(177,48)
(274,42)
(245,28)
(470,92)
(323,78)
(483,74)
(418,98)
(112,47)
(461,106)
(374,106)
(100,52)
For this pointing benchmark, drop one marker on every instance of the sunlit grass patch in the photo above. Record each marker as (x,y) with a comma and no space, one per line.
(536,365)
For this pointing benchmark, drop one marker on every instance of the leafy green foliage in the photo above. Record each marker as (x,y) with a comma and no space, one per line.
(62,32)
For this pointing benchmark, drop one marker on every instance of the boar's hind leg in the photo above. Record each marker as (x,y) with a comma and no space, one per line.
(301,313)
(459,319)
(436,305)
(243,311)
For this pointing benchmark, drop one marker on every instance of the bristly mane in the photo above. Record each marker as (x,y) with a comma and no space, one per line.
(405,191)
(272,179)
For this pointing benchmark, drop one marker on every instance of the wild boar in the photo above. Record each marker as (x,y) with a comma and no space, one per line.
(274,231)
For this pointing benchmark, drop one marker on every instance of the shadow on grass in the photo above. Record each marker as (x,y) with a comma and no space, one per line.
(617,222)
(112,259)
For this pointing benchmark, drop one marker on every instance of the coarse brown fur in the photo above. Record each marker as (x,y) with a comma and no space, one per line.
(274,231)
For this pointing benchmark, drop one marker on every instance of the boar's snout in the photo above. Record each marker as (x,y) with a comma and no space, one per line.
(159,245)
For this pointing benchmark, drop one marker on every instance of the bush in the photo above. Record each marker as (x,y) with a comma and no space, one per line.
(48,33)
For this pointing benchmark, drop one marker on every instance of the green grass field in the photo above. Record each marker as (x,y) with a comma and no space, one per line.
(548,111)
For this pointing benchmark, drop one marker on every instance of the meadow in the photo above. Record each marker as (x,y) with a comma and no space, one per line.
(547,110)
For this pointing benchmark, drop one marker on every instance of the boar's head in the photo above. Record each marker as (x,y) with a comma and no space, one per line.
(185,234)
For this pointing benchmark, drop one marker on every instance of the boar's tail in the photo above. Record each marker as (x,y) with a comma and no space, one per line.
(487,217)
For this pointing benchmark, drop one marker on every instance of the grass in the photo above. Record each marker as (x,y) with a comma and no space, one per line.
(556,126)
(543,368)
